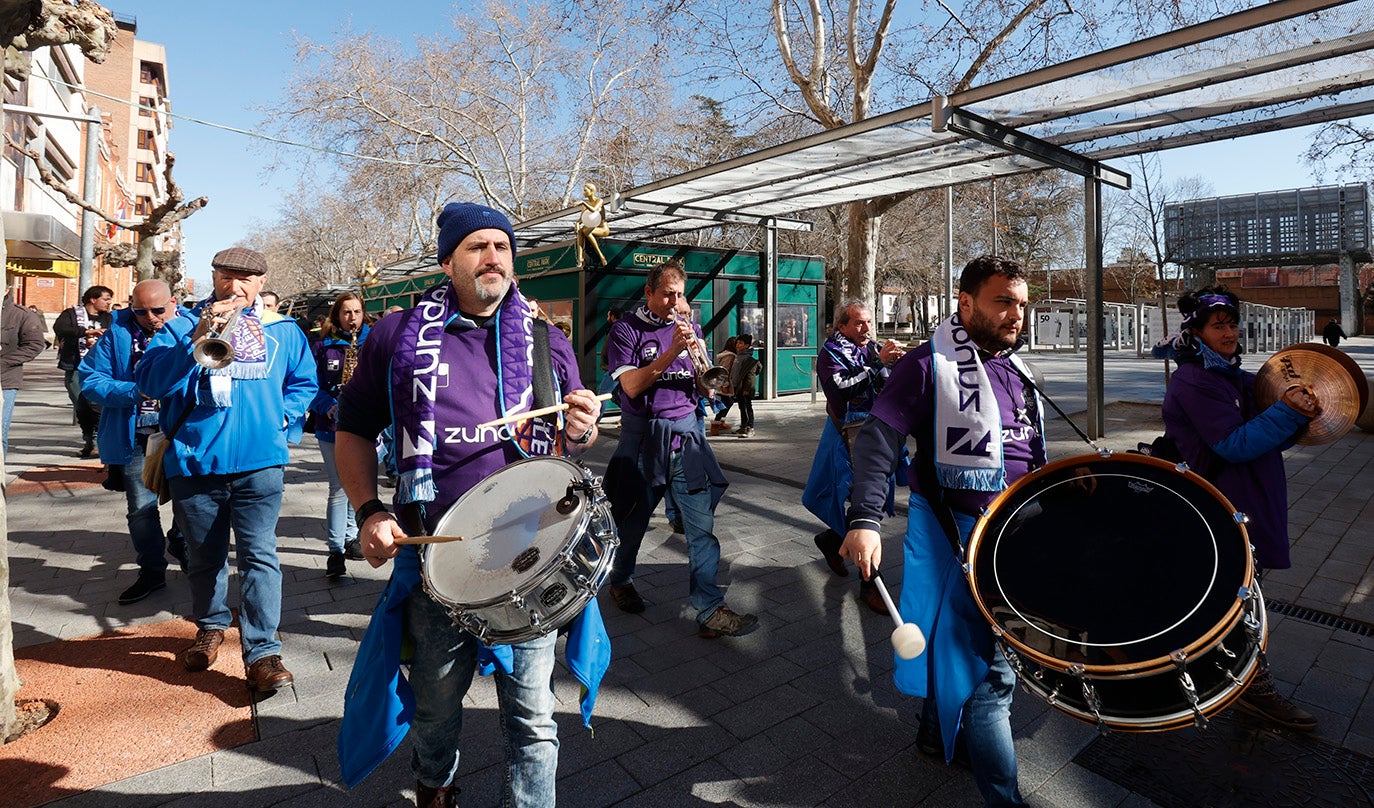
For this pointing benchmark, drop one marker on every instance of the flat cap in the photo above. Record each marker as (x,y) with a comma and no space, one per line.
(240,259)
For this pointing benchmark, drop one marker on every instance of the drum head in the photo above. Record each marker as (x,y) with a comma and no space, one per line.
(1111,563)
(511,531)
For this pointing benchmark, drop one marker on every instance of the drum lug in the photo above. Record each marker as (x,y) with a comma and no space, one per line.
(1182,467)
(1104,452)
(470,623)
(568,504)
(1185,684)
(516,599)
(1090,696)
(1241,519)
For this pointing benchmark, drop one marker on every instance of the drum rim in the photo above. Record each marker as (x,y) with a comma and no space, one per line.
(1209,638)
(583,521)
(1178,719)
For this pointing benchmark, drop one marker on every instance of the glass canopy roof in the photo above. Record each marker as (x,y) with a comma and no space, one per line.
(1277,65)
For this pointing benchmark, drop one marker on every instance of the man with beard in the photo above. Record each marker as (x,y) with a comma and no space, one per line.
(127,419)
(969,447)
(76,331)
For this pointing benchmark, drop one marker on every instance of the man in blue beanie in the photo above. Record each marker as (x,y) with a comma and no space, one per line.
(464,355)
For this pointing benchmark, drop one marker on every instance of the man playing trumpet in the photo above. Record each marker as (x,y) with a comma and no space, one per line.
(232,424)
(662,445)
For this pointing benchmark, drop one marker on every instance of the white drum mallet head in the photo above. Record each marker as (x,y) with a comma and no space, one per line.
(907,639)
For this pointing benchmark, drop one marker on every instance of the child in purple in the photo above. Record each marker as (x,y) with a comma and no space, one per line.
(662,445)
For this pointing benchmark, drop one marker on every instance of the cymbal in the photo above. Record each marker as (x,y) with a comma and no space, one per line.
(1351,366)
(1331,379)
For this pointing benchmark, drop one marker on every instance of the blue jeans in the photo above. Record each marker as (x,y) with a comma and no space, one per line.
(206,507)
(338,516)
(10,394)
(440,675)
(698,520)
(987,734)
(145,524)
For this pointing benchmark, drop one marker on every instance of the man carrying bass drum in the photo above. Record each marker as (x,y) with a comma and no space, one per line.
(977,430)
(1210,413)
(458,359)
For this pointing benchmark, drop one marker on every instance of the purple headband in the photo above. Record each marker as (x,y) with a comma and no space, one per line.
(1206,304)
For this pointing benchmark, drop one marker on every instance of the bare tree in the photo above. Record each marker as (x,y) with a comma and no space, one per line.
(24,26)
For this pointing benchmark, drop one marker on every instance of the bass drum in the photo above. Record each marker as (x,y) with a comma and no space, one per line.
(1122,590)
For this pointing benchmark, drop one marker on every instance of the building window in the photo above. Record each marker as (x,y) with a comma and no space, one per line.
(144,172)
(145,139)
(144,102)
(143,206)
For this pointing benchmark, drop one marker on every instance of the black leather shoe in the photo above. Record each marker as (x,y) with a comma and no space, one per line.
(828,542)
(147,584)
(88,450)
(427,797)
(334,567)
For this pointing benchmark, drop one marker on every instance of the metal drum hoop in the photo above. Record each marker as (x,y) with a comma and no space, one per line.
(1015,496)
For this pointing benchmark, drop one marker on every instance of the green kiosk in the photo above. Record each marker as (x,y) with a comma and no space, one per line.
(724,287)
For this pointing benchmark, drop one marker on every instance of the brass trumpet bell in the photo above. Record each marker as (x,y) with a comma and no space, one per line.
(215,351)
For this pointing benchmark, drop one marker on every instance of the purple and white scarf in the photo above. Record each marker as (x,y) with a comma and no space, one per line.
(250,352)
(415,367)
(83,322)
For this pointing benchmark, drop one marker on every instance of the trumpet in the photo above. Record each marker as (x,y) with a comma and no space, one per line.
(214,351)
(709,376)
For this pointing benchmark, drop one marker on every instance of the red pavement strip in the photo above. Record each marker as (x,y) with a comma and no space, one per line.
(56,479)
(126,706)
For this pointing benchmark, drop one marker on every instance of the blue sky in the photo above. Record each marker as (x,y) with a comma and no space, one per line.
(225,62)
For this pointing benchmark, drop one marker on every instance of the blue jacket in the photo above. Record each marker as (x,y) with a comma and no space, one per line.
(107,378)
(266,414)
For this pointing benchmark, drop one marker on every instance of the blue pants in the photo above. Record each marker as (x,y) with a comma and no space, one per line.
(440,675)
(634,501)
(145,523)
(11,393)
(339,518)
(206,507)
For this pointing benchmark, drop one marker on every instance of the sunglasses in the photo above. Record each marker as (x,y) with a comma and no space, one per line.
(158,310)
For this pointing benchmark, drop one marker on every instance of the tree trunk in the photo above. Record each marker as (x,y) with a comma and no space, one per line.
(146,248)
(861,264)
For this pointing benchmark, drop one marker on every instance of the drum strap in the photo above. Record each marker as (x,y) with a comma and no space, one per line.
(543,370)
(935,494)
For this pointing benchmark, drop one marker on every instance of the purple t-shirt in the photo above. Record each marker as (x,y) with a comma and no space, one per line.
(635,341)
(466,381)
(907,404)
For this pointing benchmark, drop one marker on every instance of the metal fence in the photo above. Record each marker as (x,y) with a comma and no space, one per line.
(1062,325)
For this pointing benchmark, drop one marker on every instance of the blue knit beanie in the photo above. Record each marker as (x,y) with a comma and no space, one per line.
(458,219)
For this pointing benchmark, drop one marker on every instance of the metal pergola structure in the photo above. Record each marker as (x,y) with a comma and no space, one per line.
(1275,66)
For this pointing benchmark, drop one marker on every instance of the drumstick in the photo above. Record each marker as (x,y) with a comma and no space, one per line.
(525,416)
(907,639)
(425,539)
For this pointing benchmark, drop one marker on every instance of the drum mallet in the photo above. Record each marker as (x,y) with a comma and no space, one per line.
(907,639)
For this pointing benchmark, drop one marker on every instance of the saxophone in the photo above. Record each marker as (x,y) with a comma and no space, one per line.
(350,361)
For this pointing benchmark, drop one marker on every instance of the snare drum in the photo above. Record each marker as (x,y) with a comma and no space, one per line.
(538,541)
(1122,591)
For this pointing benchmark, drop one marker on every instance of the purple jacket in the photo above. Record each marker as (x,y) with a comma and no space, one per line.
(1210,412)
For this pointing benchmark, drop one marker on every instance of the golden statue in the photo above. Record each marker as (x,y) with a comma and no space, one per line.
(591,224)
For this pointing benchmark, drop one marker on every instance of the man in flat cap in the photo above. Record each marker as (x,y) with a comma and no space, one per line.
(229,427)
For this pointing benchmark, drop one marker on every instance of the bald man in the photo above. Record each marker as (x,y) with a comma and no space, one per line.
(127,418)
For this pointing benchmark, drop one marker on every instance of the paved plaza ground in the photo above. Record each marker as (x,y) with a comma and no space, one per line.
(801,713)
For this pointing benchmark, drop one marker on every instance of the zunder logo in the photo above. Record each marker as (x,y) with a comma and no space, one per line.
(955,434)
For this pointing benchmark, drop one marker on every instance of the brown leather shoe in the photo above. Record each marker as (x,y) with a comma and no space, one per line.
(204,651)
(627,598)
(868,593)
(268,674)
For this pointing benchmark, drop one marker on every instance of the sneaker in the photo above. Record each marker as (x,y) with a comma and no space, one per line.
(676,525)
(268,673)
(334,567)
(88,450)
(204,650)
(1262,700)
(427,797)
(828,542)
(353,550)
(725,622)
(627,598)
(147,584)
